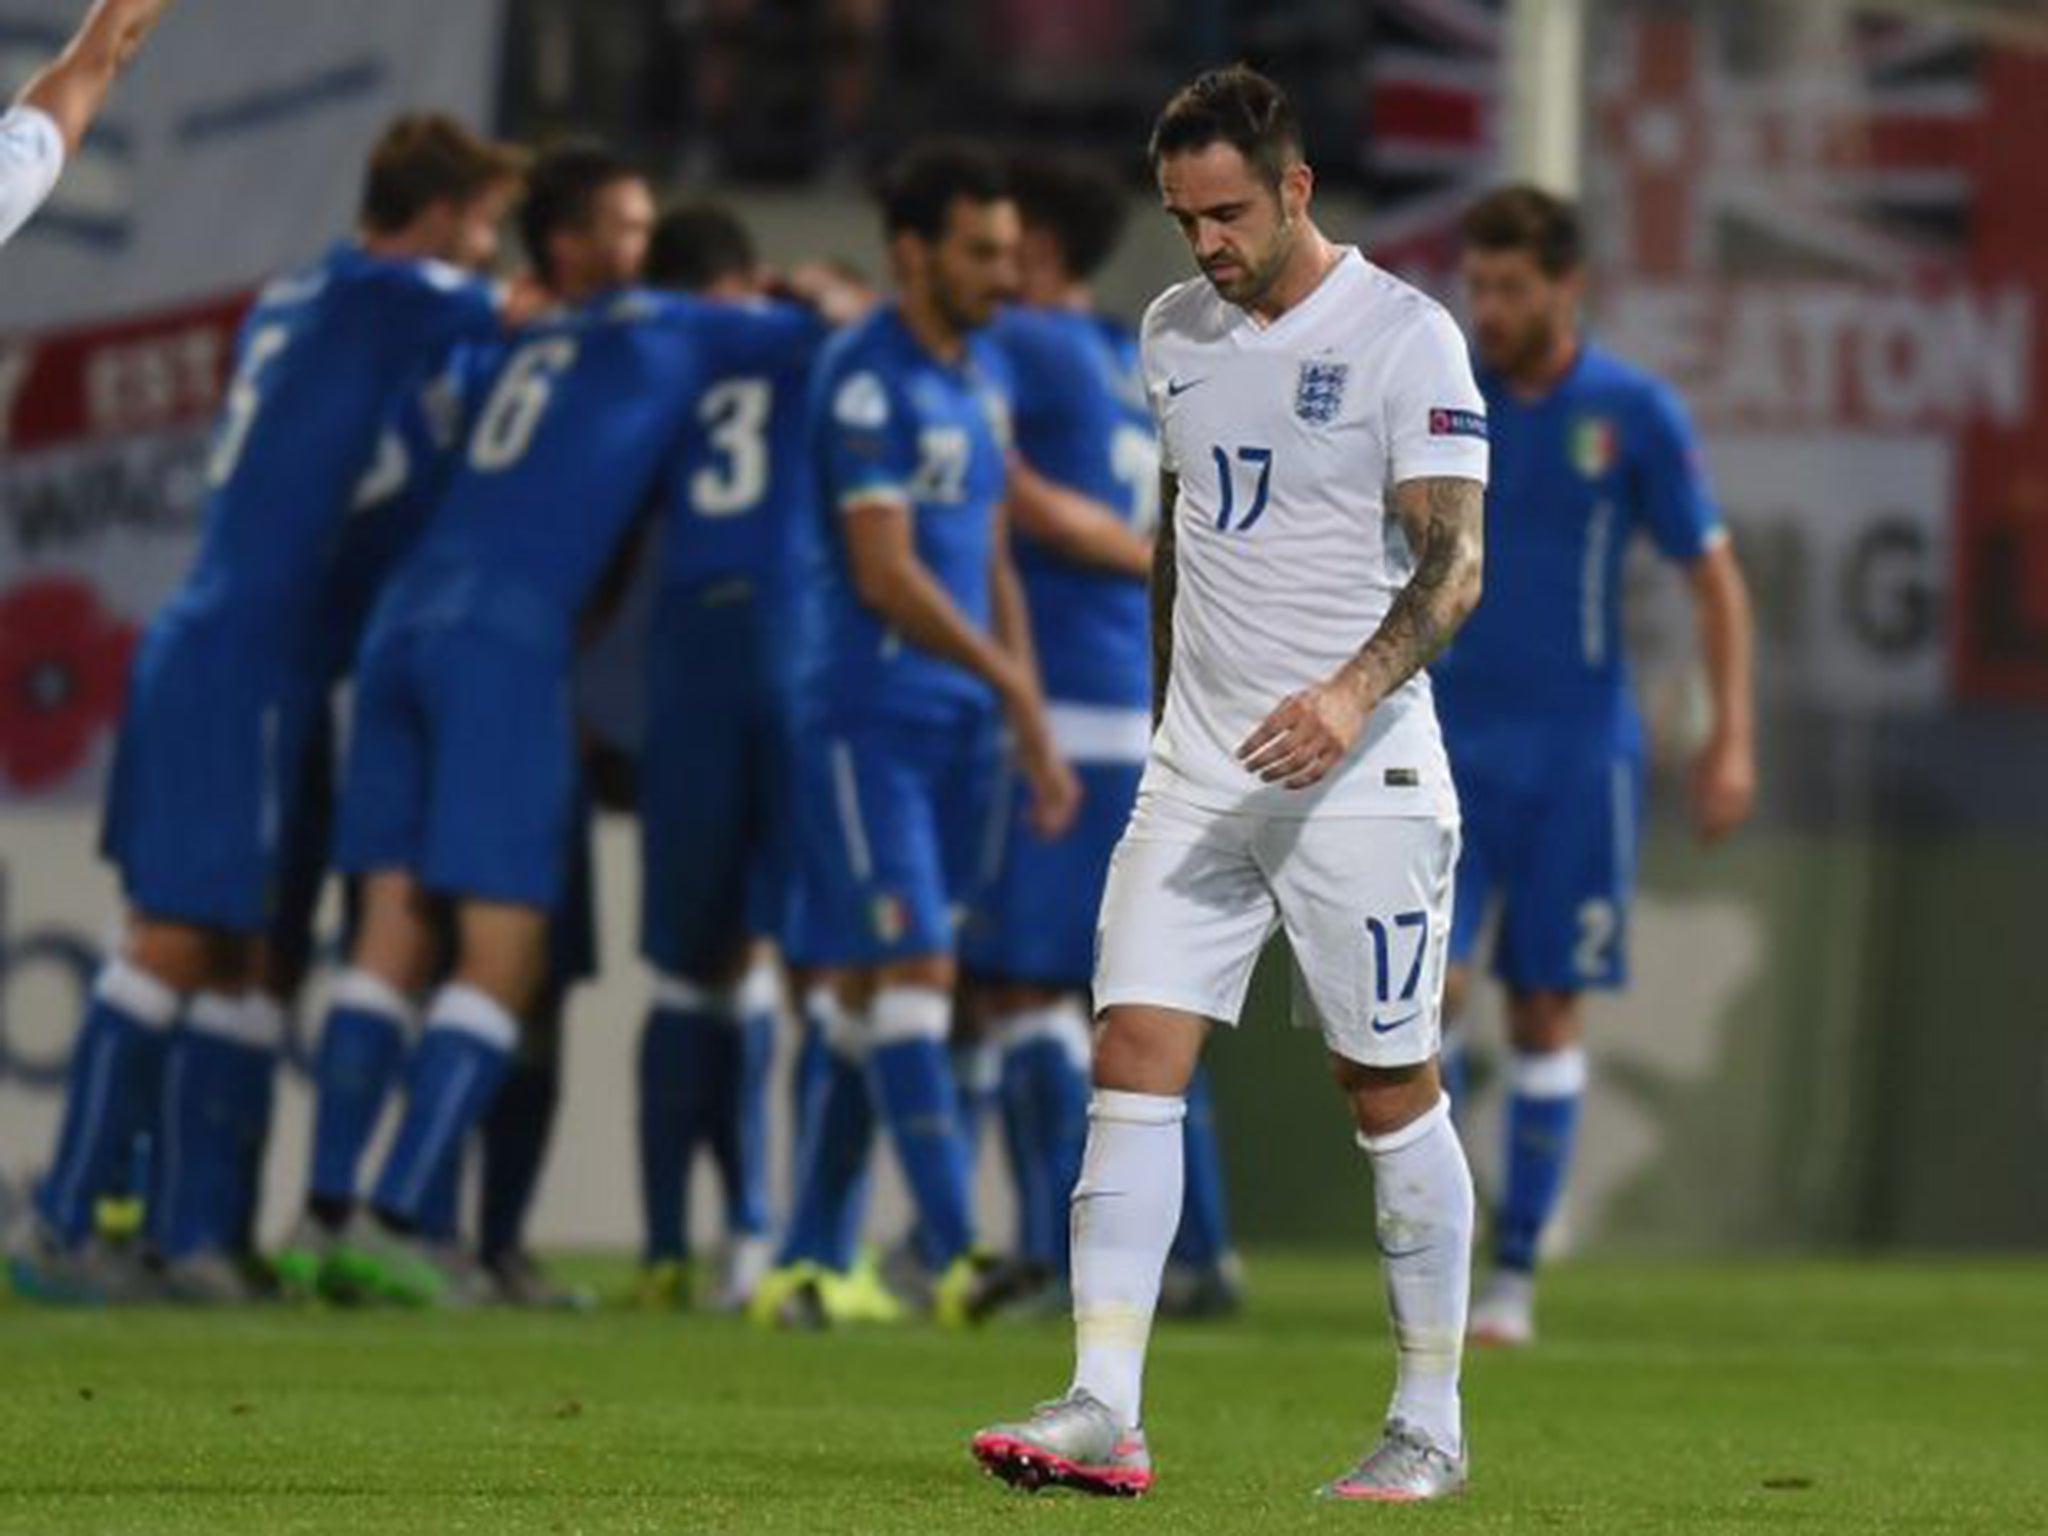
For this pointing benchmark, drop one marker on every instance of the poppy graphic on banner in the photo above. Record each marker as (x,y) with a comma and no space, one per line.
(63,670)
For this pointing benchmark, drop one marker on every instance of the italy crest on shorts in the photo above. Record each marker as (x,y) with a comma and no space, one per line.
(887,917)
(1319,391)
(1593,445)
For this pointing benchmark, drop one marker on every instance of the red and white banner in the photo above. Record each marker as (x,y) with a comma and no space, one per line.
(1840,257)
(1835,244)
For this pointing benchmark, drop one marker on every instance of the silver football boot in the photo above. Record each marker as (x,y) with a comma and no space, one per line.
(1404,1468)
(1074,1442)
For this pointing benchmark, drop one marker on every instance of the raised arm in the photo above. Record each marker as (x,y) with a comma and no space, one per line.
(1309,732)
(72,87)
(1165,579)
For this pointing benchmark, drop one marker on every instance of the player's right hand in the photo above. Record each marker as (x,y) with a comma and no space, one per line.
(1054,787)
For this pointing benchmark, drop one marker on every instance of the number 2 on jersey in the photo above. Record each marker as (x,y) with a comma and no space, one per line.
(1260,459)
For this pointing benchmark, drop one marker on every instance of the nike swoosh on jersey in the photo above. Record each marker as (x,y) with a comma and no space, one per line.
(1387,1029)
(1176,387)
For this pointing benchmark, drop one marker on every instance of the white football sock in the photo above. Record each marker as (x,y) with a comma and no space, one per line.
(1125,1210)
(1422,1192)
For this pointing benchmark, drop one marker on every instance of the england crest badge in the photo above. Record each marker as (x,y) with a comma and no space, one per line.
(1319,391)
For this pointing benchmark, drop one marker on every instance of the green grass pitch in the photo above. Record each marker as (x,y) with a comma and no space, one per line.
(1769,1396)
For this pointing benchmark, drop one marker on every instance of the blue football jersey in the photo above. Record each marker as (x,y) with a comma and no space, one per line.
(1607,453)
(740,483)
(889,421)
(1081,420)
(576,422)
(321,358)
(407,477)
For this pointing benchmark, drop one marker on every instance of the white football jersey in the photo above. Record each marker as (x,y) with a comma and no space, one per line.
(1288,440)
(31,159)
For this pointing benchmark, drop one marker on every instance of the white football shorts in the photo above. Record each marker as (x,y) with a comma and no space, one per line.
(1193,895)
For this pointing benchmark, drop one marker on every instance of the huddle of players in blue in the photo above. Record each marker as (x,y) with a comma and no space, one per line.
(419,485)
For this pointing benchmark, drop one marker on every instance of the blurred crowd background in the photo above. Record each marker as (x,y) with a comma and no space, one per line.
(1823,221)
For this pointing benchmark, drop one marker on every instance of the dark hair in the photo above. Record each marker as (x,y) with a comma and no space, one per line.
(918,191)
(561,191)
(1078,202)
(1526,218)
(1237,106)
(425,158)
(696,244)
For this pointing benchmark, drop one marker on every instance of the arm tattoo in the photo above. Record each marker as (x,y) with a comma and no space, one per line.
(1165,575)
(1445,522)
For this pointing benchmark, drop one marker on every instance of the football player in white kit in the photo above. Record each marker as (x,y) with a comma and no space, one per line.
(1325,454)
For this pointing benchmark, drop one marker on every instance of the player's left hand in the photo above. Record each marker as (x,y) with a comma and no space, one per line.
(1307,734)
(1723,788)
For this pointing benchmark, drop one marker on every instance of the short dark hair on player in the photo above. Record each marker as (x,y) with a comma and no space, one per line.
(696,244)
(425,158)
(1527,218)
(561,191)
(1078,202)
(918,191)
(1237,106)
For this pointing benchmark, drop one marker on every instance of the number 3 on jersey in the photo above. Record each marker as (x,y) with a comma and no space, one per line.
(511,416)
(734,417)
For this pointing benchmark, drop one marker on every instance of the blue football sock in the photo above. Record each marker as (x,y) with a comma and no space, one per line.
(977,1089)
(678,1046)
(1204,1235)
(462,1057)
(256,1104)
(109,1096)
(1543,1114)
(515,1140)
(439,1218)
(739,1119)
(1059,1071)
(806,1083)
(913,1084)
(1022,1144)
(217,1083)
(834,1144)
(1045,1116)
(361,1055)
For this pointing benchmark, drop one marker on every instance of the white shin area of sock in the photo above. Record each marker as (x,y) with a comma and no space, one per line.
(1126,1207)
(1422,1193)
